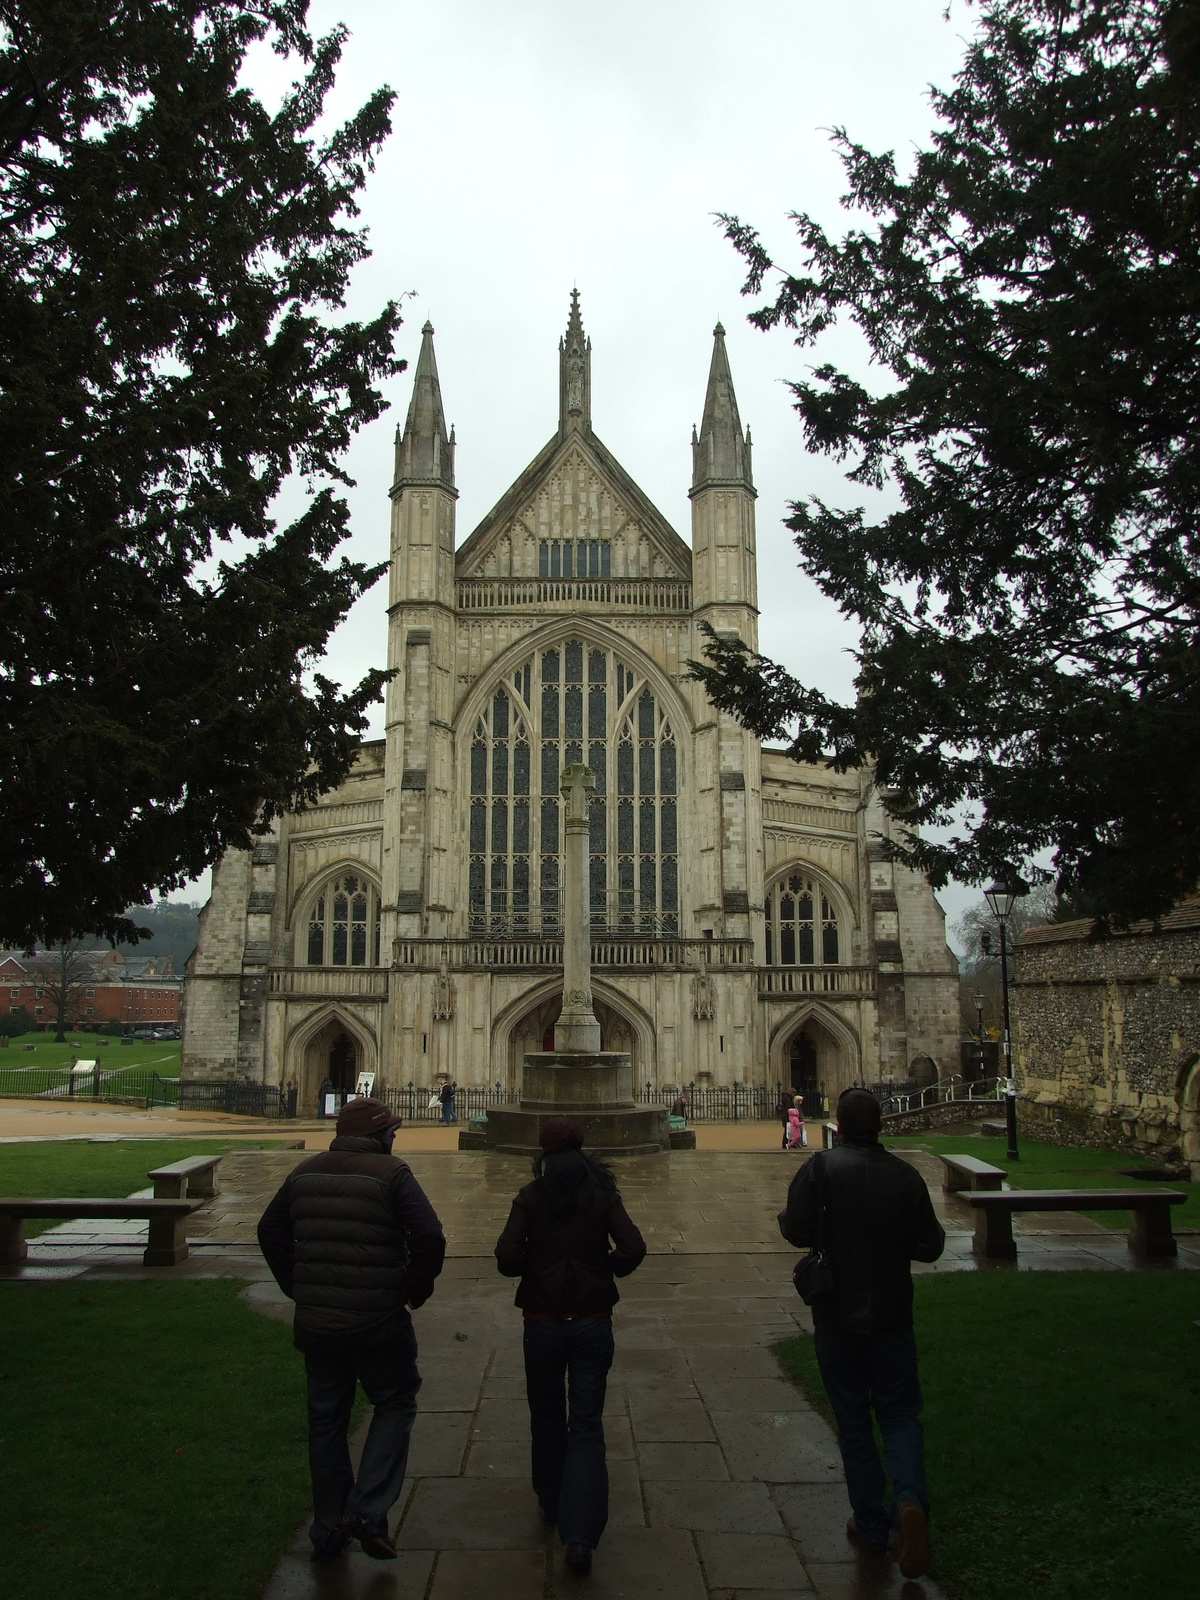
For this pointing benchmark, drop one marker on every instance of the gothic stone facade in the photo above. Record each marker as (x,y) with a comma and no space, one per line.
(747,926)
(1107,1033)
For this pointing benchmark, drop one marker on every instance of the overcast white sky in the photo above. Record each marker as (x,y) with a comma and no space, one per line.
(543,143)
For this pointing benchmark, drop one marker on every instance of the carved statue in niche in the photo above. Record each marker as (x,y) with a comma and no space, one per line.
(443,996)
(704,1004)
(575,380)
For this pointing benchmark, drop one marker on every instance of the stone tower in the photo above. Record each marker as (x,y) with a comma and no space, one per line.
(418,760)
(725,596)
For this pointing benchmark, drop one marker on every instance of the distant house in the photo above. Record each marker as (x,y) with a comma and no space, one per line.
(1107,1032)
(137,992)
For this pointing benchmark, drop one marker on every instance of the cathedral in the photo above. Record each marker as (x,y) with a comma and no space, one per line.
(748,927)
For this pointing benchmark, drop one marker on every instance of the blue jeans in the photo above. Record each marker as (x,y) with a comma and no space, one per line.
(875,1372)
(448,1111)
(387,1369)
(566,1374)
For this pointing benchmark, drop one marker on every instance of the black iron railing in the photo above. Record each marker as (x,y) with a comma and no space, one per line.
(736,1102)
(134,1085)
(241,1097)
(416,1103)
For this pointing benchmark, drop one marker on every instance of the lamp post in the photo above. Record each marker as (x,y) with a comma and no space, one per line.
(1001,897)
(978,999)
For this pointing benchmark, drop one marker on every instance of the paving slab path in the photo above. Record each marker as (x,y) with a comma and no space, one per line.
(726,1483)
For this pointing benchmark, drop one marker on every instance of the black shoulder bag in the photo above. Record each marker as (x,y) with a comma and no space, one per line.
(813,1273)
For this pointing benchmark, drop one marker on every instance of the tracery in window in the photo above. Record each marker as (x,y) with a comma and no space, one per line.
(574,702)
(343,924)
(802,929)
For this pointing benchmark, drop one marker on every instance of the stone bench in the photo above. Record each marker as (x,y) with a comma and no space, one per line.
(965,1172)
(1149,1235)
(167,1245)
(194,1176)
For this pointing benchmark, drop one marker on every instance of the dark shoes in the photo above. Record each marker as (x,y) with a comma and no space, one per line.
(376,1545)
(578,1557)
(861,1540)
(914,1539)
(333,1546)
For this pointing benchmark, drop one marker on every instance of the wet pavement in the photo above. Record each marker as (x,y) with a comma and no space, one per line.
(726,1484)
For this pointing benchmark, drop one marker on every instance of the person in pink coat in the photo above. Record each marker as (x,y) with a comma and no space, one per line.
(797,1137)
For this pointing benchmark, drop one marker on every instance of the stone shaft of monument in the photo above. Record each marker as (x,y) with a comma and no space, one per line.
(577,1031)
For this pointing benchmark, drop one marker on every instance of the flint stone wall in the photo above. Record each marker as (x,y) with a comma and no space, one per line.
(1106,1034)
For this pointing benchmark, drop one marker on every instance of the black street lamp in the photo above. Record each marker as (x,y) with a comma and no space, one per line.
(978,999)
(1001,897)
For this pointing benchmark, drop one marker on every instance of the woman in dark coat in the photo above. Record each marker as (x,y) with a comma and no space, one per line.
(567,1237)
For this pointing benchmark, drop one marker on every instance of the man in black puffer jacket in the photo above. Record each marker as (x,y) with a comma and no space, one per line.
(353,1241)
(557,1241)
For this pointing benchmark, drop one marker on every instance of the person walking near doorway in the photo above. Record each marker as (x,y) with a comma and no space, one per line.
(567,1238)
(783,1109)
(352,1239)
(446,1095)
(870,1215)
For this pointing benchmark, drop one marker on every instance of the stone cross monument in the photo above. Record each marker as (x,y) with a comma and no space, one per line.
(577,1078)
(577,1028)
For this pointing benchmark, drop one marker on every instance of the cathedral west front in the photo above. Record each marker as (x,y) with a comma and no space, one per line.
(747,926)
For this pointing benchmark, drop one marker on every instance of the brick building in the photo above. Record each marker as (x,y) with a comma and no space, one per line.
(136,991)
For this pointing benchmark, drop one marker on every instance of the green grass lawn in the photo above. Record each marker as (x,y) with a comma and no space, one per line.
(153,1442)
(1062,1432)
(73,1168)
(1052,1166)
(154,1055)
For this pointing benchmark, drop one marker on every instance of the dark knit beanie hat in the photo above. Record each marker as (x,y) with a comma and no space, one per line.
(362,1116)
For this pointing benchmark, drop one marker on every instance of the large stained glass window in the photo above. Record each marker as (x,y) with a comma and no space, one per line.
(802,928)
(574,702)
(343,924)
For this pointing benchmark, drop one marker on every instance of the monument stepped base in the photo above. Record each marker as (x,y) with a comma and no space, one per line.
(632,1131)
(594,1089)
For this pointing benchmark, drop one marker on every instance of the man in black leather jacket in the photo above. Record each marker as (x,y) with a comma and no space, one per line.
(352,1239)
(871,1214)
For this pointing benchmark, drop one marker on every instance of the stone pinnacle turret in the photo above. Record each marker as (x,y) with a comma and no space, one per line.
(720,452)
(424,451)
(575,373)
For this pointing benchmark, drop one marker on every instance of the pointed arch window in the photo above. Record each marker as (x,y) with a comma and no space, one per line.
(574,702)
(343,924)
(802,927)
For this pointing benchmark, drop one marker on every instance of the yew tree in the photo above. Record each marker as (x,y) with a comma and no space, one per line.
(1022,559)
(174,255)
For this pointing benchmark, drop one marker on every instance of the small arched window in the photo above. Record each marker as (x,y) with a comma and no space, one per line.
(802,929)
(343,925)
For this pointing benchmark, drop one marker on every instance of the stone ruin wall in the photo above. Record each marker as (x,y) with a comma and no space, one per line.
(1106,1035)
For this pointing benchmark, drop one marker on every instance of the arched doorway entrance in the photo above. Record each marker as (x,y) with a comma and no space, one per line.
(343,1065)
(803,1063)
(329,1063)
(923,1071)
(814,1054)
